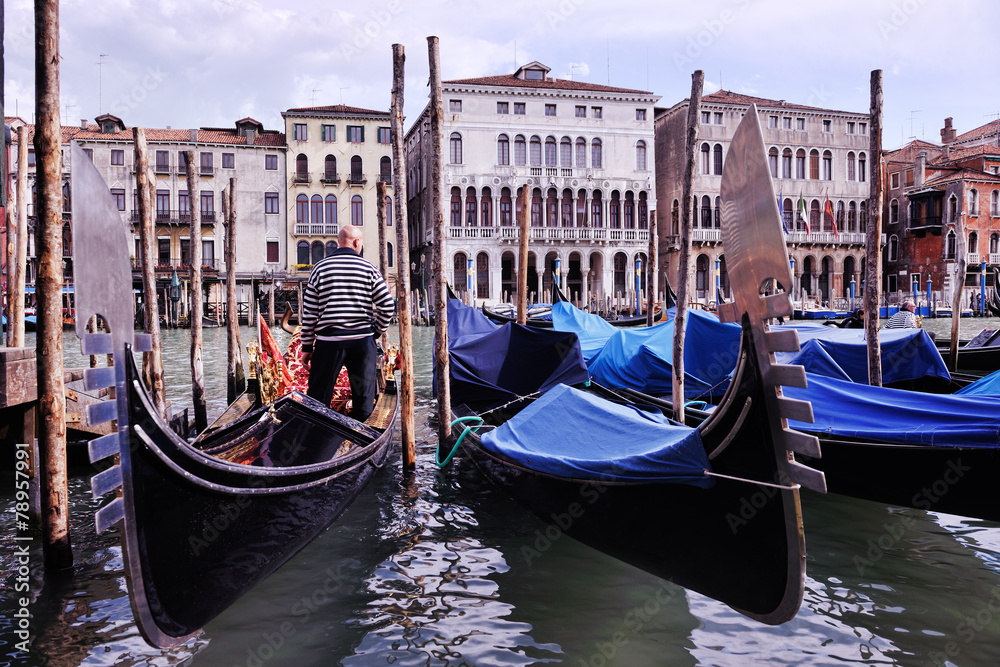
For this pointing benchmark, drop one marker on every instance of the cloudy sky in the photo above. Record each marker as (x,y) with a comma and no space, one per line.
(211,62)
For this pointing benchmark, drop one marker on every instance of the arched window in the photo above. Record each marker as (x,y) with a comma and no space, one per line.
(893,248)
(470,207)
(629,211)
(316,210)
(973,242)
(952,209)
(995,203)
(596,207)
(800,163)
(850,166)
(863,216)
(566,152)
(675,215)
(550,151)
(302,168)
(536,151)
(614,211)
(862,168)
(388,211)
(536,208)
(973,203)
(331,209)
(643,211)
(520,151)
(815,220)
(994,246)
(318,252)
(706,159)
(503,150)
(455,150)
(483,275)
(506,214)
(706,212)
(551,208)
(357,210)
(486,208)
(566,208)
(456,207)
(772,162)
(787,213)
(827,166)
(330,247)
(717,152)
(581,208)
(330,168)
(388,255)
(840,216)
(852,217)
(786,163)
(640,155)
(385,169)
(701,273)
(356,169)
(893,212)
(302,210)
(302,253)
(461,268)
(596,158)
(950,244)
(581,152)
(814,164)
(718,212)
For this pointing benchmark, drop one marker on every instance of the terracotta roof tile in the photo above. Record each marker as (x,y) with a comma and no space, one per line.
(959,153)
(338,109)
(512,81)
(729,97)
(208,135)
(991,128)
(69,132)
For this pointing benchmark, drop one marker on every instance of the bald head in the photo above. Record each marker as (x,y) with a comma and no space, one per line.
(350,237)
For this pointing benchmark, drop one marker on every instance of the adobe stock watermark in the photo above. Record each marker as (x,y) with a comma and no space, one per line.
(378,20)
(563,11)
(133,98)
(21,590)
(606,651)
(900,15)
(711,30)
(967,630)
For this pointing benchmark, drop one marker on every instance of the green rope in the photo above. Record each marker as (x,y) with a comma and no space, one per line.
(460,420)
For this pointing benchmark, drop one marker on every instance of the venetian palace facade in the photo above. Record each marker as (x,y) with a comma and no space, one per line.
(584,150)
(818,160)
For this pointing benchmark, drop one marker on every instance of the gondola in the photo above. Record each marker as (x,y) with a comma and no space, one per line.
(993,300)
(981,354)
(545,321)
(202,523)
(728,524)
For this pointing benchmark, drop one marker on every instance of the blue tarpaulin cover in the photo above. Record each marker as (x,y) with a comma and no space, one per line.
(492,364)
(987,386)
(592,330)
(897,416)
(569,433)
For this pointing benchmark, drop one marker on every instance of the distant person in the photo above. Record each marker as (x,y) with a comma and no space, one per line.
(904,318)
(346,306)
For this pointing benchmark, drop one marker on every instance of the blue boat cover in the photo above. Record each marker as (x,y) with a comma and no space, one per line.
(642,358)
(570,433)
(492,364)
(986,386)
(897,416)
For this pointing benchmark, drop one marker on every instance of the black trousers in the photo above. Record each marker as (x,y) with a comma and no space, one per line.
(360,357)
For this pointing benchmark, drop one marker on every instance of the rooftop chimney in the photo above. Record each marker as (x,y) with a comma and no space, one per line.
(83,123)
(947,152)
(948,133)
(194,134)
(921,169)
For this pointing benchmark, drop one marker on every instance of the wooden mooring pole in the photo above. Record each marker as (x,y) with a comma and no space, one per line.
(49,283)
(873,236)
(402,266)
(684,256)
(236,382)
(194,311)
(956,297)
(524,238)
(652,265)
(440,280)
(383,266)
(152,362)
(19,260)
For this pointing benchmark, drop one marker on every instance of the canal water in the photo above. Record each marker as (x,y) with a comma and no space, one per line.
(441,568)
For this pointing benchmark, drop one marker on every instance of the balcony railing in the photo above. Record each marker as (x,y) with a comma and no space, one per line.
(842,238)
(471,232)
(357,179)
(995,258)
(330,179)
(179,264)
(385,178)
(972,259)
(315,230)
(573,234)
(301,178)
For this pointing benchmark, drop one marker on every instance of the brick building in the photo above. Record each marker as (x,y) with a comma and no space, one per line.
(815,156)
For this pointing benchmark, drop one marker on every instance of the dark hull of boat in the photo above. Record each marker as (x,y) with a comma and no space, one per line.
(637,320)
(738,542)
(201,531)
(974,358)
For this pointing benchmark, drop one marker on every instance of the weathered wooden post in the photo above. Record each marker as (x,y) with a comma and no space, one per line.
(194,311)
(20,258)
(524,227)
(402,265)
(152,361)
(873,236)
(235,379)
(956,298)
(652,268)
(49,283)
(440,277)
(684,256)
(383,265)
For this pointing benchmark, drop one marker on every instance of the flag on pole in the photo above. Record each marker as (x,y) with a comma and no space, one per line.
(781,213)
(802,212)
(828,210)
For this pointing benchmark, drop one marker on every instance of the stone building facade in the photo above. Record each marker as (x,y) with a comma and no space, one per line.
(586,153)
(819,162)
(336,156)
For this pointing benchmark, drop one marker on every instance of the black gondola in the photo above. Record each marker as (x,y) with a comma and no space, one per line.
(203,523)
(993,300)
(740,541)
(557,295)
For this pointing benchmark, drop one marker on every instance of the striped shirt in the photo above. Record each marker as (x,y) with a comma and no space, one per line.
(344,299)
(903,319)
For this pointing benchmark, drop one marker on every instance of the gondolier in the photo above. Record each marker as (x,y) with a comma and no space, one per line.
(346,305)
(904,318)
